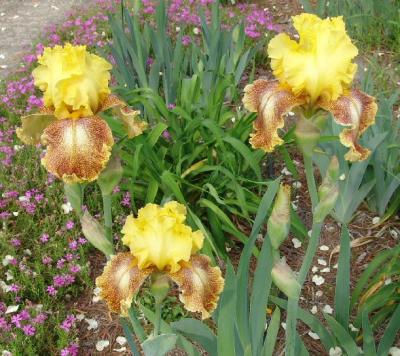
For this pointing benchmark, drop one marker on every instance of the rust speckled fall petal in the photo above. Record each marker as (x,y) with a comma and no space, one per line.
(77,149)
(357,111)
(130,118)
(120,281)
(200,285)
(271,102)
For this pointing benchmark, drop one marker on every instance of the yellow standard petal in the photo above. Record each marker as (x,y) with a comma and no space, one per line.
(74,81)
(271,102)
(200,285)
(356,110)
(159,237)
(320,64)
(120,281)
(77,150)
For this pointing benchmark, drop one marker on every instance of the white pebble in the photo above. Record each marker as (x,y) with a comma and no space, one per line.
(314,269)
(80,317)
(388,281)
(324,248)
(309,233)
(11,309)
(353,328)
(318,280)
(313,335)
(322,262)
(314,310)
(342,177)
(335,351)
(325,270)
(102,344)
(319,293)
(121,349)
(296,185)
(296,243)
(286,172)
(327,309)
(121,340)
(376,220)
(92,324)
(283,324)
(394,351)
(394,234)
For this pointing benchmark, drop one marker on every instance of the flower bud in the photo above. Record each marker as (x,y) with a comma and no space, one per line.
(111,175)
(74,194)
(307,135)
(95,234)
(328,191)
(159,286)
(285,279)
(279,221)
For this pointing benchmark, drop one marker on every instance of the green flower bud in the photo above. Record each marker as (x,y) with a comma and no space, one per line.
(285,279)
(279,221)
(159,286)
(74,194)
(307,136)
(95,234)
(111,175)
(328,191)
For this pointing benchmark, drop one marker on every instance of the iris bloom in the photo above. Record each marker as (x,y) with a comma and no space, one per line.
(161,242)
(75,86)
(314,74)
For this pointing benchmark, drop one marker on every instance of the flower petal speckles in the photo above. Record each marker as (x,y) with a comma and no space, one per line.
(77,150)
(120,281)
(200,285)
(356,110)
(271,102)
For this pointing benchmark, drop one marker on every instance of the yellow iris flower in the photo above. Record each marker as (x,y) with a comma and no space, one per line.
(315,73)
(160,241)
(75,86)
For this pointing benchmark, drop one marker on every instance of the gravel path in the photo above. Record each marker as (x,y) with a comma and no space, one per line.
(21,22)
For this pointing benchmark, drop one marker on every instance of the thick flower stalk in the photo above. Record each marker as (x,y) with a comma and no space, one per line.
(313,75)
(161,243)
(75,85)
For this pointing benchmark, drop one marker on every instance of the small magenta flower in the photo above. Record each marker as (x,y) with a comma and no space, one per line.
(47,260)
(29,330)
(16,242)
(69,225)
(51,290)
(44,238)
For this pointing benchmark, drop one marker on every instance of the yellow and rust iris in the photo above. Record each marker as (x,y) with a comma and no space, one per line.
(161,242)
(75,85)
(314,73)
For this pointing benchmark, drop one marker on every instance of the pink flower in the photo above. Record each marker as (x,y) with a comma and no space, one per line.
(44,238)
(29,330)
(69,225)
(51,290)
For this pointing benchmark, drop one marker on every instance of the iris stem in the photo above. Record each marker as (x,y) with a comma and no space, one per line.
(157,320)
(107,216)
(312,188)
(293,303)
